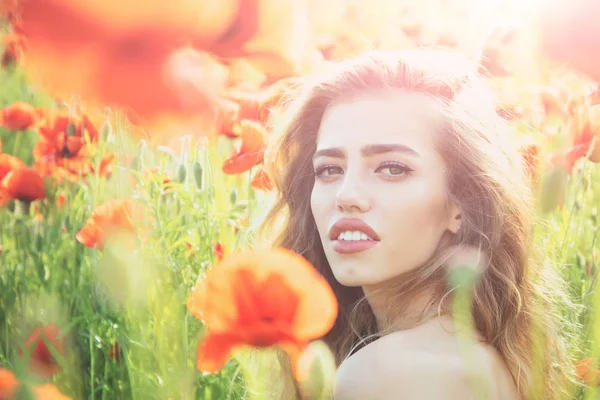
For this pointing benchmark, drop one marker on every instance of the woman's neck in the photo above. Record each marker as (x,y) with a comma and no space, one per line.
(395,312)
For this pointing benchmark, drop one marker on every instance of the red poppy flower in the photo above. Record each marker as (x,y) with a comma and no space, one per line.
(249,152)
(257,106)
(261,299)
(7,164)
(110,218)
(25,184)
(42,361)
(8,384)
(262,181)
(67,147)
(18,116)
(85,47)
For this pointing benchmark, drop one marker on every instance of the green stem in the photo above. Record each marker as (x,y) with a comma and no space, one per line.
(91,339)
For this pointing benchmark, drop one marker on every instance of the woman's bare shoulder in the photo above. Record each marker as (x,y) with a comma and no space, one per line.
(401,365)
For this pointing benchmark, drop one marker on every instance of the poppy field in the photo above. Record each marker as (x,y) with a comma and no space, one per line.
(133,138)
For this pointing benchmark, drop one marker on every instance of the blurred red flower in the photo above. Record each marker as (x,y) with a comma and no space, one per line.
(25,184)
(249,151)
(42,362)
(108,219)
(18,116)
(67,147)
(261,299)
(262,181)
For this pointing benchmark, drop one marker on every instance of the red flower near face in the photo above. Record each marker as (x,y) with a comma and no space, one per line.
(257,106)
(42,362)
(262,181)
(18,116)
(249,152)
(261,299)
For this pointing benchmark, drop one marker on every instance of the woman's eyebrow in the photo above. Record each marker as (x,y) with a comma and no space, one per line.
(334,152)
(372,149)
(368,150)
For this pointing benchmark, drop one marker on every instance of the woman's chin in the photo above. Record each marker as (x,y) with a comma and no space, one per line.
(352,278)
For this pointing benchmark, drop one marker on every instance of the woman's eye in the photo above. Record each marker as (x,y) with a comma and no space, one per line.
(393,169)
(327,170)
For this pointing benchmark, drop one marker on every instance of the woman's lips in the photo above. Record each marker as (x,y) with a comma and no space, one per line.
(352,246)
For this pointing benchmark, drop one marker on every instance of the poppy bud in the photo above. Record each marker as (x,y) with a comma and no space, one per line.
(232,196)
(71,129)
(106,130)
(197,172)
(181,173)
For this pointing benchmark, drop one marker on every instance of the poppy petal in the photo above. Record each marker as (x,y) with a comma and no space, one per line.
(8,163)
(241,163)
(262,181)
(214,350)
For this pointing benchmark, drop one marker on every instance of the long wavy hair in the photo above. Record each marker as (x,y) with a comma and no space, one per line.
(514,304)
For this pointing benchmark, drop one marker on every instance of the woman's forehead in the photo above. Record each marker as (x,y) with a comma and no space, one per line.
(386,117)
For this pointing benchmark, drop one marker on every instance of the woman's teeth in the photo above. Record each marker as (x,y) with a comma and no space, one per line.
(353,235)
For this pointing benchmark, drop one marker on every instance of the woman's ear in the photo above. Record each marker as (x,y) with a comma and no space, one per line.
(455,220)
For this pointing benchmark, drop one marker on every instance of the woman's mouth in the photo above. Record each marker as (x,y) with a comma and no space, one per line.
(352,235)
(353,242)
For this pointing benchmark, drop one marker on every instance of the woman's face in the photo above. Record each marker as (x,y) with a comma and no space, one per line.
(378,174)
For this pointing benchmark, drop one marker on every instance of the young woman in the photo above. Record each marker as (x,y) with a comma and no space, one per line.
(386,168)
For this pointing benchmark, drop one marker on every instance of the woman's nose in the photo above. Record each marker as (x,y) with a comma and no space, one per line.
(352,196)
